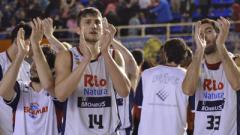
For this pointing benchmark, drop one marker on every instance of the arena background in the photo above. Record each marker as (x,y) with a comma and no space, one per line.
(140,23)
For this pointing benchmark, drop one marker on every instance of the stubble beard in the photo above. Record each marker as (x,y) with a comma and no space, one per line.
(210,49)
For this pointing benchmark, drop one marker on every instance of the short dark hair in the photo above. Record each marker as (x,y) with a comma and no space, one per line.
(175,50)
(89,11)
(138,56)
(26,27)
(50,56)
(212,22)
(188,59)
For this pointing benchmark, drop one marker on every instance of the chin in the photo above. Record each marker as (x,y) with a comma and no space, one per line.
(210,49)
(92,40)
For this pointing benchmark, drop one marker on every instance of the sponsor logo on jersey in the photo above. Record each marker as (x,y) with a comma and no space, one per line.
(212,85)
(162,94)
(209,106)
(94,86)
(94,102)
(94,92)
(34,110)
(213,89)
(94,81)
(165,79)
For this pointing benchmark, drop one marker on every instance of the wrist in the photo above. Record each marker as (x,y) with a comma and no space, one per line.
(49,36)
(21,55)
(86,60)
(35,43)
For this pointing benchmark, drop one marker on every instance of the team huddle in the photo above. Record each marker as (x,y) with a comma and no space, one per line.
(90,89)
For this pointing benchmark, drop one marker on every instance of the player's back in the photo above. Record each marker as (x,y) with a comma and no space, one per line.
(164,104)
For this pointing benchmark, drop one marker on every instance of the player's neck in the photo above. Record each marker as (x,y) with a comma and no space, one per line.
(212,58)
(36,86)
(12,51)
(171,64)
(95,50)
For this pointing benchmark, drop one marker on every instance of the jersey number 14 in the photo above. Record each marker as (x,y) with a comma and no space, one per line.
(95,121)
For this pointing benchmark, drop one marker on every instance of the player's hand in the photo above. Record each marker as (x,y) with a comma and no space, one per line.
(199,37)
(223,25)
(23,48)
(48,28)
(37,31)
(107,37)
(84,47)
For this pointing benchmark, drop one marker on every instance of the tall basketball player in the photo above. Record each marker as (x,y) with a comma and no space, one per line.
(87,78)
(163,104)
(214,78)
(6,58)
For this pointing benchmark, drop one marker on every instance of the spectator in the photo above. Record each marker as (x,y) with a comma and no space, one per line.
(235,35)
(111,13)
(204,7)
(144,4)
(162,12)
(134,21)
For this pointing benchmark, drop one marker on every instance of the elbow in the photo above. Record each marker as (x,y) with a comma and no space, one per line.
(60,96)
(188,91)
(49,86)
(125,91)
(236,86)
(124,94)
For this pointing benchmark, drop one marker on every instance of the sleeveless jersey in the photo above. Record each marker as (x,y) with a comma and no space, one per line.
(6,111)
(164,106)
(91,109)
(124,111)
(215,104)
(34,112)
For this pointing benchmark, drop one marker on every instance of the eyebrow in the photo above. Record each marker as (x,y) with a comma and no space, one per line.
(208,28)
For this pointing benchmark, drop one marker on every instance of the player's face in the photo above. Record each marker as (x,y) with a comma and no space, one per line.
(92,28)
(210,36)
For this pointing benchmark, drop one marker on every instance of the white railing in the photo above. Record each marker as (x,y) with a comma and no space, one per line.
(142,28)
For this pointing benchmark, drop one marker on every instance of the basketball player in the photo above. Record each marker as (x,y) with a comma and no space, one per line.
(164,105)
(125,105)
(6,58)
(136,111)
(87,77)
(32,104)
(214,78)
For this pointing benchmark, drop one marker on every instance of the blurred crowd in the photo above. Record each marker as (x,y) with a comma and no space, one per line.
(118,12)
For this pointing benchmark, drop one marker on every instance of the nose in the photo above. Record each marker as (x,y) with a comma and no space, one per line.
(94,26)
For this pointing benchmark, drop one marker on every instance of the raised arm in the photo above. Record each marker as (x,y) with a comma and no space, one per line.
(43,70)
(48,32)
(10,77)
(115,67)
(192,76)
(231,70)
(66,79)
(130,63)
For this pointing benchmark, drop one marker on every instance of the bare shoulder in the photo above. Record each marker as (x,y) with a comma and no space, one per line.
(237,60)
